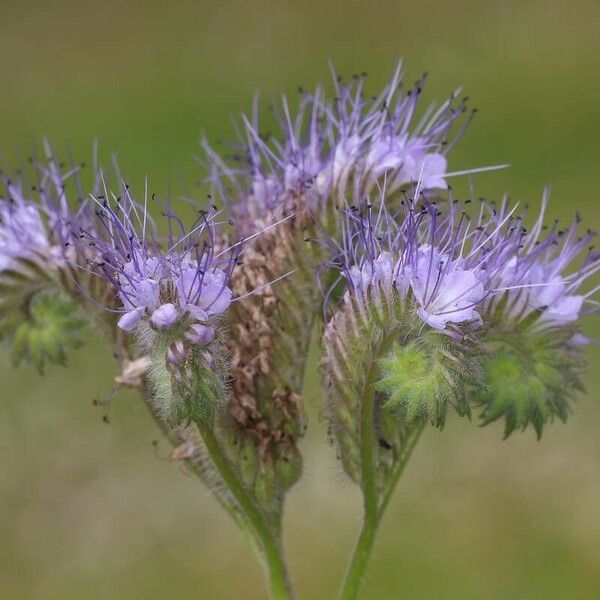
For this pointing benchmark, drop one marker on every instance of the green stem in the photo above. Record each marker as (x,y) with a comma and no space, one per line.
(405,453)
(279,584)
(366,540)
(264,536)
(260,538)
(175,439)
(373,512)
(360,558)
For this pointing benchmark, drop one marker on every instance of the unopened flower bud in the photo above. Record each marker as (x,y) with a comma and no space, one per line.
(288,467)
(177,353)
(200,334)
(165,316)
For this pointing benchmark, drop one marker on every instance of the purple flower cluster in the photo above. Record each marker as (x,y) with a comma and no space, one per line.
(417,257)
(455,269)
(181,283)
(330,146)
(34,211)
(545,275)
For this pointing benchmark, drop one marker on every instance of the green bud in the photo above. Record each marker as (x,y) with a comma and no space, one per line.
(190,389)
(426,376)
(42,329)
(288,467)
(530,378)
(265,486)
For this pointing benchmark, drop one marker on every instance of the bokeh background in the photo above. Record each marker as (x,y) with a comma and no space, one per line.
(88,510)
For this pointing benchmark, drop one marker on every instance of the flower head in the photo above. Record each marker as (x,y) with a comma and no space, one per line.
(538,282)
(35,207)
(512,296)
(38,207)
(178,285)
(334,145)
(541,283)
(435,264)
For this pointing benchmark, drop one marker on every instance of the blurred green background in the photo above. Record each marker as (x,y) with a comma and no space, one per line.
(87,510)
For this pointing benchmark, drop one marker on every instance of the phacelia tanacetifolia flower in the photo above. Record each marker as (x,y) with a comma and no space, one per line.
(333,145)
(179,287)
(414,285)
(35,207)
(38,204)
(533,319)
(432,261)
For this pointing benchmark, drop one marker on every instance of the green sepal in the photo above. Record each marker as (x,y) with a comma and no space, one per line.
(530,378)
(425,377)
(288,466)
(265,486)
(42,329)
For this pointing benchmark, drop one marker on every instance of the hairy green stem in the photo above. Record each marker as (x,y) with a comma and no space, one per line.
(373,511)
(175,439)
(366,539)
(279,583)
(244,512)
(409,443)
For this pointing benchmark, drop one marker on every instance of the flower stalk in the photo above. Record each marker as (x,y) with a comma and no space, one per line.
(267,534)
(374,510)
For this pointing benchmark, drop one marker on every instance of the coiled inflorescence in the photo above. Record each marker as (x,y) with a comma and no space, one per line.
(543,278)
(334,145)
(514,293)
(38,311)
(181,285)
(37,206)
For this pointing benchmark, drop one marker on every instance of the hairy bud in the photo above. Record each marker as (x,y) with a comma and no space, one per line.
(530,379)
(44,330)
(423,378)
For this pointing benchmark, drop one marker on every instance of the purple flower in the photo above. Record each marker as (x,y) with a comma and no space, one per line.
(546,274)
(434,265)
(203,296)
(35,207)
(22,231)
(444,291)
(451,268)
(200,334)
(333,146)
(181,281)
(165,316)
